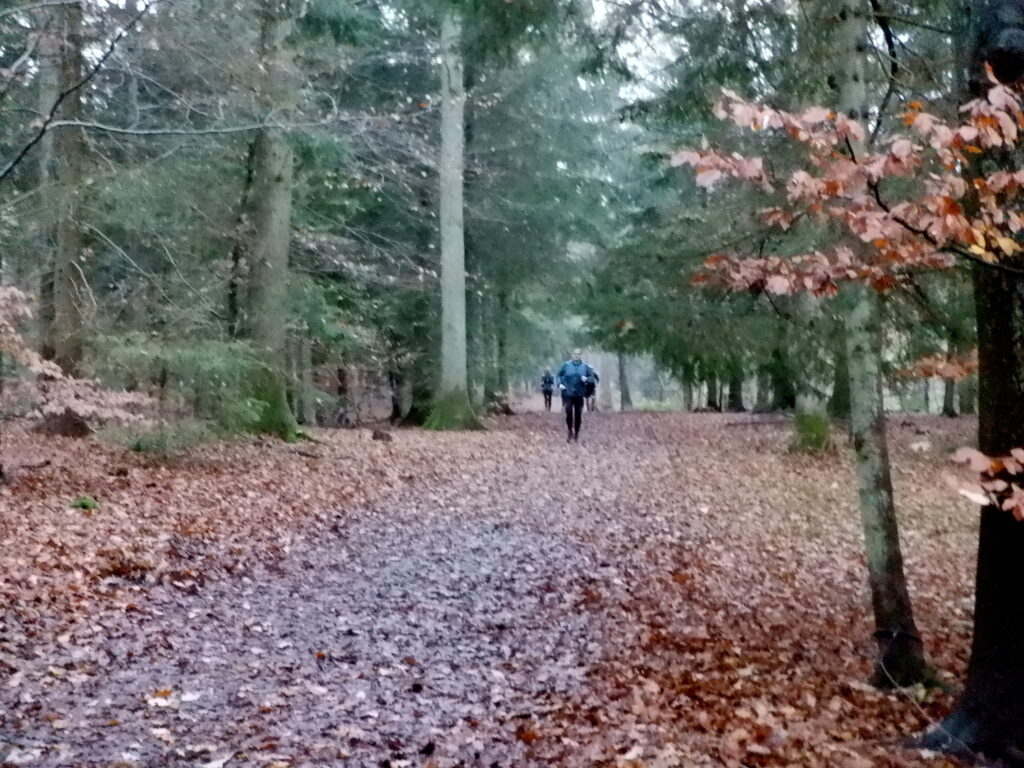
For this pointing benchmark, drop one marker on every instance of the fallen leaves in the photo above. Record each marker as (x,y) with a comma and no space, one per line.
(655,608)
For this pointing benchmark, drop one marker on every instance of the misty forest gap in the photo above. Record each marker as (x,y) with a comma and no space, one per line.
(494,599)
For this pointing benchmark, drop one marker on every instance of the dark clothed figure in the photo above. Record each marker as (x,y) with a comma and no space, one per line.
(591,391)
(573,415)
(573,377)
(547,387)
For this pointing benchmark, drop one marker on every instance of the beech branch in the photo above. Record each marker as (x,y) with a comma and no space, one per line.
(29,7)
(894,66)
(63,95)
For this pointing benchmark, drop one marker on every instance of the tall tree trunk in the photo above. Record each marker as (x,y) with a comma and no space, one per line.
(501,332)
(763,401)
(839,402)
(48,80)
(901,654)
(307,397)
(968,394)
(900,650)
(783,388)
(625,400)
(735,399)
(949,398)
(70,291)
(271,218)
(452,409)
(396,383)
(687,380)
(714,401)
(476,344)
(240,240)
(987,717)
(490,348)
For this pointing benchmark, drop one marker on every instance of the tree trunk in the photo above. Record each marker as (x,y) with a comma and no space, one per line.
(625,400)
(901,658)
(501,331)
(48,79)
(452,409)
(70,291)
(763,401)
(396,383)
(968,393)
(686,382)
(901,654)
(271,220)
(949,398)
(783,389)
(987,718)
(240,240)
(476,344)
(839,402)
(307,397)
(735,401)
(714,402)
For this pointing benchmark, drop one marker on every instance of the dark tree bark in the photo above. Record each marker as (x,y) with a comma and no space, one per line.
(968,394)
(839,402)
(395,382)
(70,291)
(625,400)
(735,398)
(238,247)
(687,381)
(763,402)
(783,388)
(501,331)
(987,719)
(714,401)
(949,398)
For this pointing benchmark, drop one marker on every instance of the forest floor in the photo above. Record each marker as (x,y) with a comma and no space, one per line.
(673,590)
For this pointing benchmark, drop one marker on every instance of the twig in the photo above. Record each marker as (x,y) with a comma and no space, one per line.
(35,7)
(62,97)
(894,66)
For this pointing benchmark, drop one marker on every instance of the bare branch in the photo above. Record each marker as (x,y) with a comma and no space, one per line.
(49,119)
(29,7)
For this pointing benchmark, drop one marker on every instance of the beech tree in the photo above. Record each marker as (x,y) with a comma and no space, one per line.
(452,408)
(271,209)
(987,718)
(959,207)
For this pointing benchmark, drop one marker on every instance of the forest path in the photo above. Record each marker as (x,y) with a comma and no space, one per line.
(636,599)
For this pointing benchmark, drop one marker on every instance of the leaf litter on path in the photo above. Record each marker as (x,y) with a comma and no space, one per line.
(670,591)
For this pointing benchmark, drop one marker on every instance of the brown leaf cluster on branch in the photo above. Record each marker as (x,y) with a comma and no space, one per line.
(955,368)
(953,212)
(15,308)
(45,390)
(1001,479)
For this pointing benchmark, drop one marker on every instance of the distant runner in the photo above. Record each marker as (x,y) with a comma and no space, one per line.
(572,380)
(547,387)
(590,395)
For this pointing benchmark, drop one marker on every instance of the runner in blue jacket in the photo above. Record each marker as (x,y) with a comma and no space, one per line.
(572,380)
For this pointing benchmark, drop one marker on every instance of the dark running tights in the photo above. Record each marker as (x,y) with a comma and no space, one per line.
(573,413)
(547,399)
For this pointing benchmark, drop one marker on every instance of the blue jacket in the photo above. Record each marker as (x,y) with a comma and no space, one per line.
(570,376)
